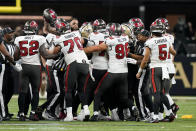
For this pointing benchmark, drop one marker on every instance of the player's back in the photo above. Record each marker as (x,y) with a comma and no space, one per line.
(99,59)
(117,51)
(29,48)
(72,47)
(159,51)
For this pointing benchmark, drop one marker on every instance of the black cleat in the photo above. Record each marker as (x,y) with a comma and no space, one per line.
(94,118)
(175,109)
(22,117)
(33,117)
(169,118)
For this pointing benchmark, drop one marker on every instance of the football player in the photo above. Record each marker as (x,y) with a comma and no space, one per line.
(157,49)
(116,47)
(171,68)
(99,60)
(70,43)
(29,48)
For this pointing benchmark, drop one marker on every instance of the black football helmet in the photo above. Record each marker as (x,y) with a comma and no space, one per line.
(62,27)
(115,29)
(31,27)
(99,25)
(157,27)
(50,16)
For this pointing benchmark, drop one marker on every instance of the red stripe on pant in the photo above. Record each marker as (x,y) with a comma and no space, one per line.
(66,78)
(48,71)
(153,82)
(100,82)
(86,82)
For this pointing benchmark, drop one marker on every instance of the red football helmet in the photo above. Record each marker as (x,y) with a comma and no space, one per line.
(50,16)
(164,21)
(157,27)
(99,24)
(62,26)
(115,29)
(31,27)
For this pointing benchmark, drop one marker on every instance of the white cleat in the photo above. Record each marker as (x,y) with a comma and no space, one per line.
(68,118)
(114,115)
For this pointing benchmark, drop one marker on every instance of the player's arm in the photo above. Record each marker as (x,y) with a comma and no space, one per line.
(47,54)
(144,62)
(136,57)
(172,51)
(6,54)
(96,48)
(17,53)
(47,28)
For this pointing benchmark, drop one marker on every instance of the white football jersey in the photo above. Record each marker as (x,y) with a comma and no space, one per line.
(50,38)
(99,59)
(117,51)
(72,48)
(29,48)
(159,51)
(171,67)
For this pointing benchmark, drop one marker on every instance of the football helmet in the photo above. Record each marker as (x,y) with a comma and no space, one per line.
(31,27)
(164,21)
(115,29)
(127,29)
(62,27)
(86,29)
(135,19)
(99,25)
(157,27)
(50,16)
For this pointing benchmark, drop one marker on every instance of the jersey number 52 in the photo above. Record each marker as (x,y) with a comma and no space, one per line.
(33,49)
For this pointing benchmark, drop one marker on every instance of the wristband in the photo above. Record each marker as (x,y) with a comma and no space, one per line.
(140,70)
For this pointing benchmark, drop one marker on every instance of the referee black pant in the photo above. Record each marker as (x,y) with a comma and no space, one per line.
(6,87)
(55,89)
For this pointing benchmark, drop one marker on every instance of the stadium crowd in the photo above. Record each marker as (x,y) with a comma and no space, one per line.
(125,71)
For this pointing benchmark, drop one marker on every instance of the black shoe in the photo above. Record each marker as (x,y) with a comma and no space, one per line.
(136,114)
(6,118)
(33,117)
(169,118)
(94,118)
(22,117)
(39,112)
(10,115)
(131,118)
(175,109)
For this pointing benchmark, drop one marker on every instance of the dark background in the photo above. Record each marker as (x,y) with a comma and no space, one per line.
(111,10)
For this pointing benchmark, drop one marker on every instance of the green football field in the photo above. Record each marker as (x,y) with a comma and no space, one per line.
(187,107)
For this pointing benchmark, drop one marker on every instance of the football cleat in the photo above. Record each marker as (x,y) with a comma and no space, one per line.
(94,118)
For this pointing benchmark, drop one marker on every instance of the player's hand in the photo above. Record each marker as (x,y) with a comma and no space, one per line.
(17,67)
(131,61)
(138,75)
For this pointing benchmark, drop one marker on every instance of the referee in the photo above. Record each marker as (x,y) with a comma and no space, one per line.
(6,87)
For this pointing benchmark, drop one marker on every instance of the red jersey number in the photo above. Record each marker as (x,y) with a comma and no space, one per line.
(162,52)
(33,49)
(121,50)
(71,42)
